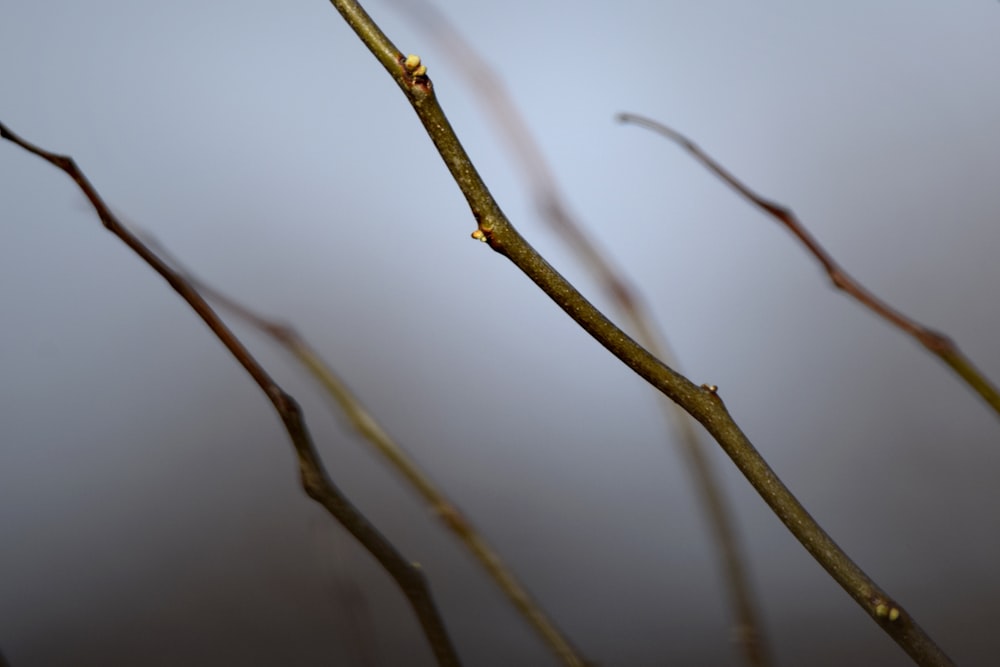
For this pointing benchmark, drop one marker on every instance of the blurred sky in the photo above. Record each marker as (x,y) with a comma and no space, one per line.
(150,512)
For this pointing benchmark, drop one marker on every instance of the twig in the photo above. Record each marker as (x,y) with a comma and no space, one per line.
(368,427)
(497,102)
(315,480)
(703,403)
(936,342)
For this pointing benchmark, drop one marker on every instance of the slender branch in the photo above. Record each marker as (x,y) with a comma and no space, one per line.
(703,402)
(498,104)
(369,428)
(935,342)
(315,480)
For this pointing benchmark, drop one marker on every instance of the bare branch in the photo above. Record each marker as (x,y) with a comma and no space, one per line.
(936,342)
(315,480)
(498,104)
(369,428)
(703,402)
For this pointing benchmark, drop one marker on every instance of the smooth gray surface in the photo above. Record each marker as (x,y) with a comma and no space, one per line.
(149,508)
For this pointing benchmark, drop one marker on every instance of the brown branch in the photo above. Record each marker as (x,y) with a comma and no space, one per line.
(498,104)
(315,481)
(935,342)
(367,426)
(701,402)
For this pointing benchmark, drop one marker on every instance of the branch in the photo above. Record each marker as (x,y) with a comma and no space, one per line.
(367,426)
(935,342)
(498,104)
(703,403)
(315,480)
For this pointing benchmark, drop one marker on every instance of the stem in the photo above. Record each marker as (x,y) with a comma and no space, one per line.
(498,104)
(368,427)
(315,480)
(934,341)
(703,403)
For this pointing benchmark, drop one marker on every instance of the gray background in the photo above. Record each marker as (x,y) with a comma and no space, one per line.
(149,507)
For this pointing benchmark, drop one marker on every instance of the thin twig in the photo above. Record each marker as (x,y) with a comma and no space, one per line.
(315,479)
(368,427)
(936,342)
(498,104)
(703,403)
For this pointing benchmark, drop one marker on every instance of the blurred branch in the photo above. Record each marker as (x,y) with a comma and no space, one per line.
(935,342)
(498,104)
(315,479)
(703,402)
(368,427)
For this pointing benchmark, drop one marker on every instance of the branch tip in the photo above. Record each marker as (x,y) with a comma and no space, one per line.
(936,343)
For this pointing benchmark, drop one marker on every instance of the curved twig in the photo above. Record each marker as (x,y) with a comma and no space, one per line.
(498,104)
(703,403)
(315,480)
(935,342)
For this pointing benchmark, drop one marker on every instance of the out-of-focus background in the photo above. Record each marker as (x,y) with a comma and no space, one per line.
(150,512)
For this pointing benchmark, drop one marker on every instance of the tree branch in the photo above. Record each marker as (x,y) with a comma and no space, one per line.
(368,427)
(498,104)
(315,480)
(935,342)
(703,403)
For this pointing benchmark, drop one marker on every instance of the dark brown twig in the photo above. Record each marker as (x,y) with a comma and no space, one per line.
(315,480)
(935,342)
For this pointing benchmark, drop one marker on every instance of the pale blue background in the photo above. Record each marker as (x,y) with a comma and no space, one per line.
(149,507)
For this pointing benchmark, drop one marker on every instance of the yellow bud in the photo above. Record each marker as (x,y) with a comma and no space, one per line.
(412,62)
